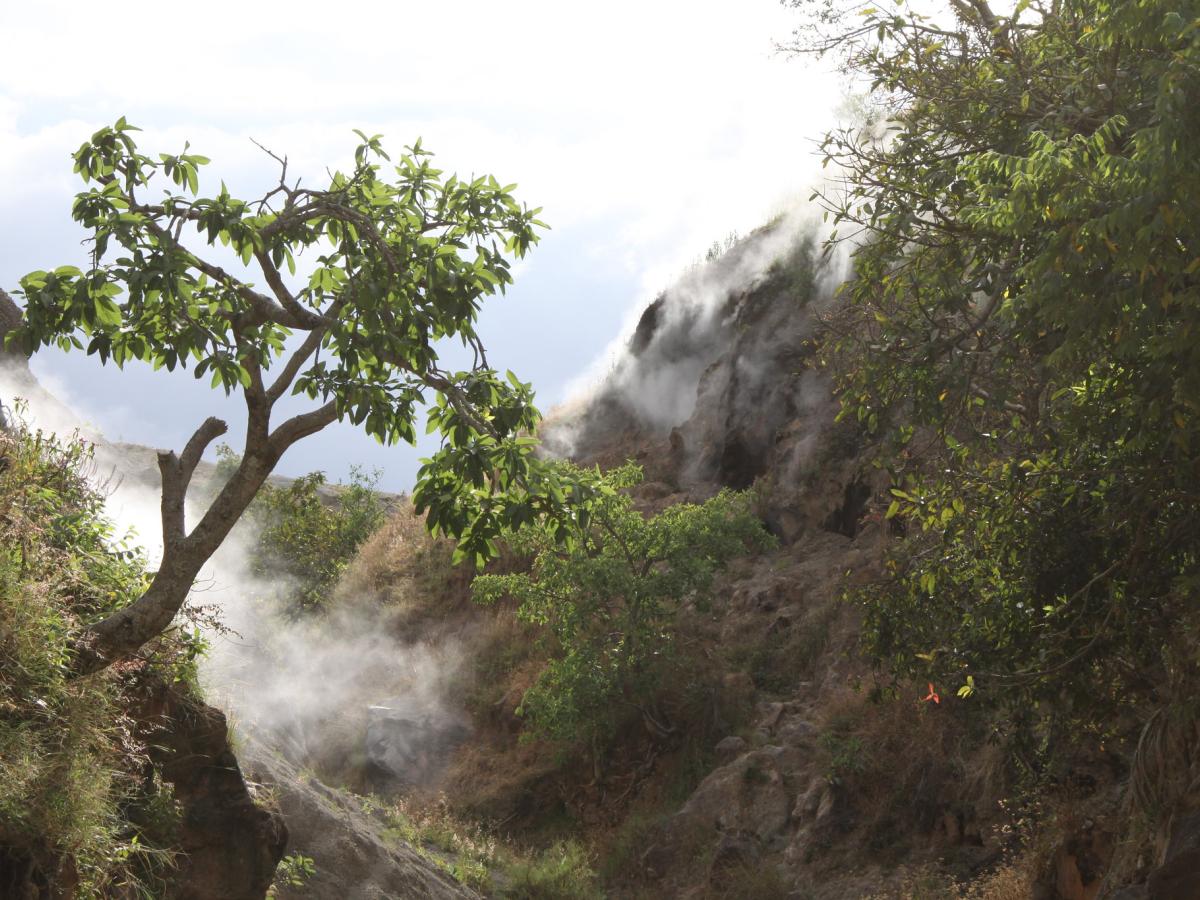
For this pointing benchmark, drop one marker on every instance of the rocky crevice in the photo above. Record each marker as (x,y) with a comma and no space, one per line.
(229,845)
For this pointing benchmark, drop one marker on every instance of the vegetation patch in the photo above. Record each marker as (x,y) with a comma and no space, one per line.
(610,600)
(79,801)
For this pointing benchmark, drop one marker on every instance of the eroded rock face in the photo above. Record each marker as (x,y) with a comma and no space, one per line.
(748,795)
(229,845)
(720,388)
(1080,863)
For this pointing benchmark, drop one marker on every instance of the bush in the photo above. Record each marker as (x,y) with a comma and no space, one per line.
(294,871)
(309,541)
(610,596)
(1020,335)
(75,790)
(308,533)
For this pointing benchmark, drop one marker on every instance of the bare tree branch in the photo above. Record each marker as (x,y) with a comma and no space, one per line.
(176,472)
(305,318)
(295,362)
(301,426)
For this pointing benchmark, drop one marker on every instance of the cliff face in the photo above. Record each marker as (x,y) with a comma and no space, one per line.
(228,844)
(720,388)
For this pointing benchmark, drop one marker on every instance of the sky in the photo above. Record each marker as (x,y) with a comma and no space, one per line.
(645,130)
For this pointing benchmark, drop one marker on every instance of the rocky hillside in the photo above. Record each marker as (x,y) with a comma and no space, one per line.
(720,387)
(781,762)
(352,851)
(809,774)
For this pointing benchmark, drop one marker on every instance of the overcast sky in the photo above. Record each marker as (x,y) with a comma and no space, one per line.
(646,130)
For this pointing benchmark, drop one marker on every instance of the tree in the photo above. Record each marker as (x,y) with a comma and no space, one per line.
(1021,329)
(611,598)
(405,257)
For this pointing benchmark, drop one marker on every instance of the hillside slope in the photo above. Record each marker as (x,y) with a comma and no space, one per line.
(838,783)
(804,772)
(123,781)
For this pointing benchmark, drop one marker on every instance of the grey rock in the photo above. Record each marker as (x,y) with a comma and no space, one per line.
(1178,878)
(736,851)
(768,715)
(796,731)
(1129,892)
(747,795)
(353,856)
(729,747)
(407,742)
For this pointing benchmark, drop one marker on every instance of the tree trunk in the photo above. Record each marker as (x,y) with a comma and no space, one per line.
(124,631)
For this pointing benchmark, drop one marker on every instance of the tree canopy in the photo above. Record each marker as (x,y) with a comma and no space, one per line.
(400,257)
(1023,331)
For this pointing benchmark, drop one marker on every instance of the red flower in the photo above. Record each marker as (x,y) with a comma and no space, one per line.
(932,695)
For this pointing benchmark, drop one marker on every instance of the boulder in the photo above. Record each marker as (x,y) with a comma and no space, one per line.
(1081,862)
(354,853)
(1178,878)
(735,853)
(820,814)
(748,795)
(795,730)
(407,743)
(229,845)
(1129,892)
(730,747)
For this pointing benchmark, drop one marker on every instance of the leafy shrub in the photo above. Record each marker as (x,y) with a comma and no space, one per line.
(307,534)
(312,542)
(610,597)
(293,871)
(74,787)
(845,756)
(1020,333)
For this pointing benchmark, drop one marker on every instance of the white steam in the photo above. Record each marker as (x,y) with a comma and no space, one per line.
(670,353)
(307,686)
(660,385)
(302,686)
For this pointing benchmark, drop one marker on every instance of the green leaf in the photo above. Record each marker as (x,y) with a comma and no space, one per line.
(107,312)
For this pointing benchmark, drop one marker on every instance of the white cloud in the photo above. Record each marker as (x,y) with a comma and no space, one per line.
(666,112)
(653,128)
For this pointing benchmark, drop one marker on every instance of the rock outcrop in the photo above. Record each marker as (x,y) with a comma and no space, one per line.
(720,387)
(228,844)
(351,851)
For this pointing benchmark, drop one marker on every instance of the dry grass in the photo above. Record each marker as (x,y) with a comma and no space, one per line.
(914,756)
(477,857)
(1011,881)
(403,567)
